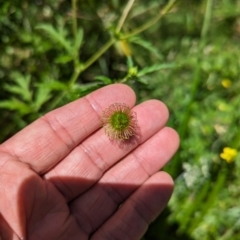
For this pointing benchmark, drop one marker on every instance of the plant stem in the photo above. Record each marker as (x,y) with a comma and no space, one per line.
(111,41)
(98,54)
(76,73)
(189,207)
(74,29)
(152,21)
(229,232)
(211,199)
(124,15)
(79,68)
(74,17)
(207,20)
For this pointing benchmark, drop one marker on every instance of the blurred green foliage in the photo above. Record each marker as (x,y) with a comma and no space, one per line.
(185,53)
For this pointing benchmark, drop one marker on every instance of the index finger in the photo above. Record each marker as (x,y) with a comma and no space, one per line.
(49,139)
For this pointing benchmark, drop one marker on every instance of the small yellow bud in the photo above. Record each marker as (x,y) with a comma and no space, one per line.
(125,48)
(132,72)
(226,83)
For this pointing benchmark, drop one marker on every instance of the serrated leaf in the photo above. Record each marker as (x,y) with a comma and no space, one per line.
(17,105)
(22,86)
(154,68)
(54,85)
(22,81)
(103,79)
(13,89)
(56,36)
(42,96)
(147,45)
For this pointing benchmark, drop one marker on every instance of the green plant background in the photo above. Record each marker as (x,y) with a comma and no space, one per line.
(177,51)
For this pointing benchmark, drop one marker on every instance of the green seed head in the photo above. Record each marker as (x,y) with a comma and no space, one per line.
(119,122)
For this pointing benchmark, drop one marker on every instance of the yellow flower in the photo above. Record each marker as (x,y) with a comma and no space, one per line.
(228,154)
(226,83)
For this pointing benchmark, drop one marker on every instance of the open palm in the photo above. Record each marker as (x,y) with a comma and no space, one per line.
(62,178)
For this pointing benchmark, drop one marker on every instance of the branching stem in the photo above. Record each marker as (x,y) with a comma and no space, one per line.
(124,15)
(80,67)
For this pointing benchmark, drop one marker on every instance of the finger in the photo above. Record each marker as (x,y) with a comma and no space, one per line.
(87,162)
(49,139)
(118,183)
(143,206)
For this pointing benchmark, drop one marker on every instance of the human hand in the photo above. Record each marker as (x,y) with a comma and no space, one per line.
(61,178)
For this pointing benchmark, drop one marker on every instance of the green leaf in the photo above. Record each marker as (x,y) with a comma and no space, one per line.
(103,79)
(14,89)
(57,36)
(154,68)
(43,95)
(147,45)
(17,105)
(84,89)
(142,80)
(78,40)
(53,85)
(62,59)
(22,81)
(22,86)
